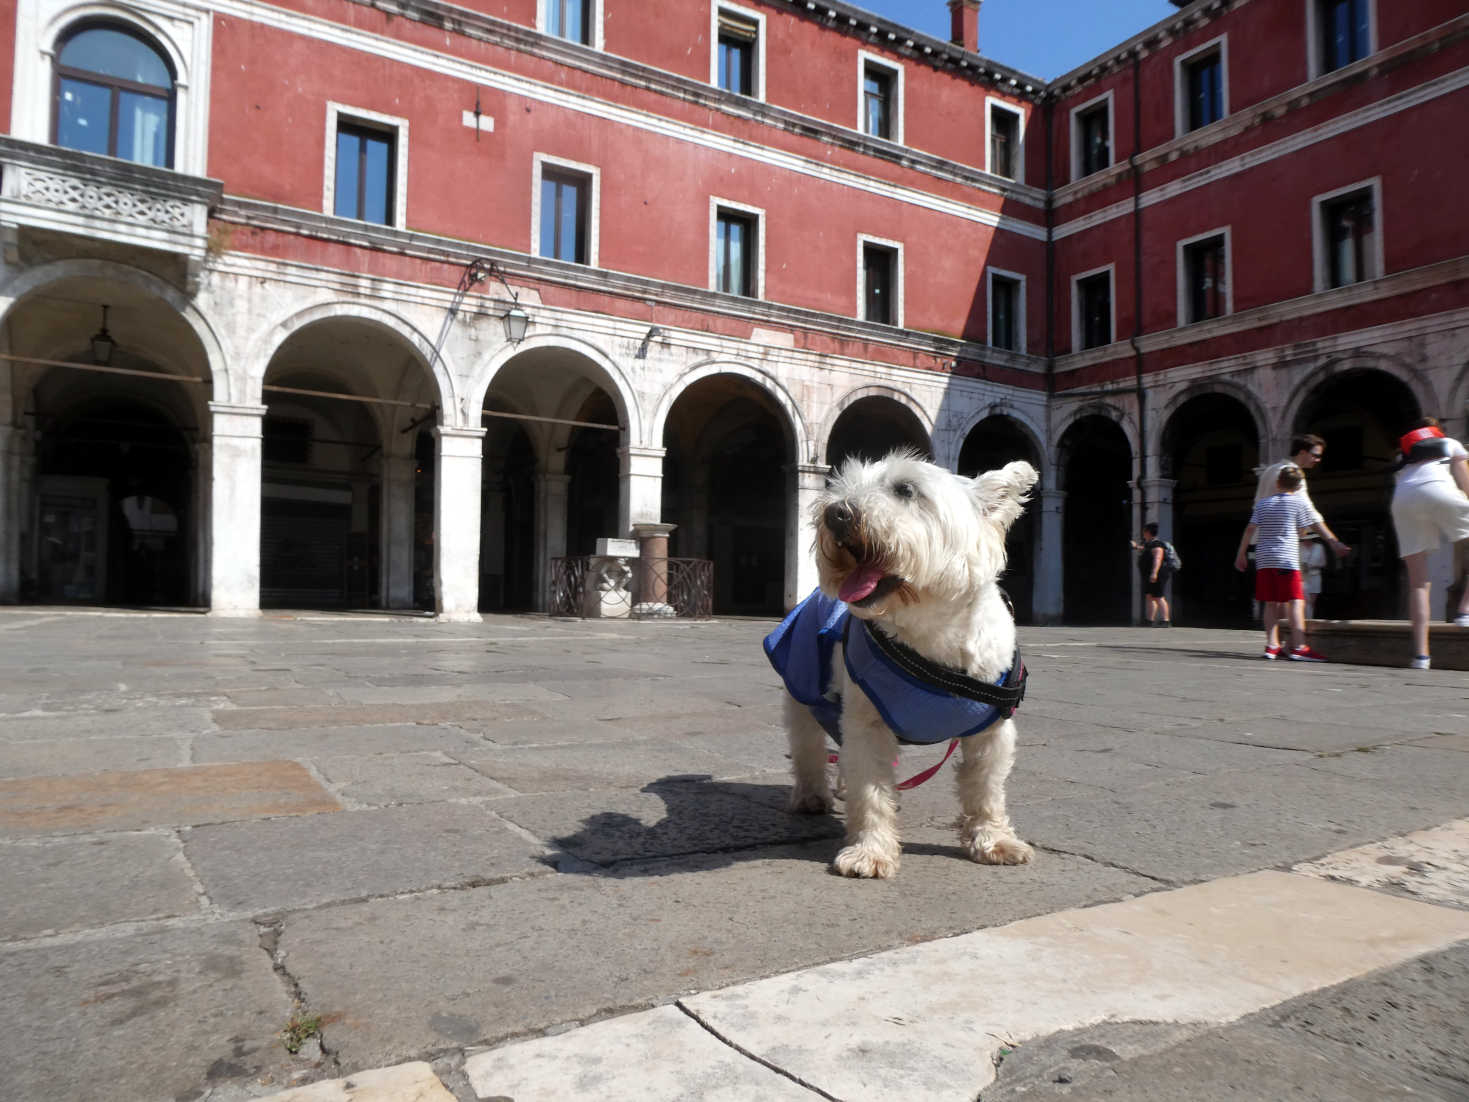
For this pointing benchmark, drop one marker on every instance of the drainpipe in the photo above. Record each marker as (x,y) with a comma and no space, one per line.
(1050,104)
(1137,285)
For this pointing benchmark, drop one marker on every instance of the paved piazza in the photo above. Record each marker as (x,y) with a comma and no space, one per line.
(441,838)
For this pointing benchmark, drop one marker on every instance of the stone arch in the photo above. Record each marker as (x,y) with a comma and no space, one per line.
(1227,388)
(138,20)
(1122,418)
(270,339)
(614,380)
(1096,464)
(1416,382)
(224,379)
(1029,428)
(795,423)
(874,390)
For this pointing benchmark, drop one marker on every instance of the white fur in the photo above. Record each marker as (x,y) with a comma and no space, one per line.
(946,540)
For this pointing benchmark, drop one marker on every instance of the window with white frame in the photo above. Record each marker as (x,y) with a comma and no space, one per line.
(1091,136)
(1203,277)
(1201,86)
(736,251)
(1006,295)
(366,165)
(114,94)
(573,20)
(564,208)
(738,64)
(1006,127)
(1092,318)
(880,97)
(1346,234)
(880,280)
(1339,32)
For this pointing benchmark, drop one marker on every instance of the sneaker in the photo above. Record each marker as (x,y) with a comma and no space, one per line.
(1271,654)
(1304,653)
(1165,623)
(1462,620)
(1419,663)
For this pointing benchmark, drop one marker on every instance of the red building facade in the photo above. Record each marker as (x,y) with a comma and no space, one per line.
(402,300)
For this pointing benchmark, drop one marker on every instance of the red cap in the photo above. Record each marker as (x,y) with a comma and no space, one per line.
(1408,439)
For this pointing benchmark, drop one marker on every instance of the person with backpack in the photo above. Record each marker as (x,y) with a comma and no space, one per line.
(1157,562)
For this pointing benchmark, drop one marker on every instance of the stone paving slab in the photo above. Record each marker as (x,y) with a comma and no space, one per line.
(257,867)
(134,721)
(1432,865)
(152,1016)
(416,777)
(488,964)
(295,719)
(159,797)
(927,1022)
(50,757)
(585,766)
(657,1056)
(57,887)
(412,1082)
(317,742)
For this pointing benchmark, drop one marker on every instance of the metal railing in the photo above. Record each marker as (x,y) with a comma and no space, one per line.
(606,587)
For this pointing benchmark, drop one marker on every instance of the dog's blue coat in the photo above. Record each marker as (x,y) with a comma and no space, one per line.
(801,652)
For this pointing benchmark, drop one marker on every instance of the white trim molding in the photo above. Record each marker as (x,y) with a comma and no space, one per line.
(989,305)
(899,96)
(1075,142)
(1181,273)
(1181,63)
(335,112)
(1319,280)
(746,15)
(1111,272)
(894,247)
(1314,60)
(593,174)
(595,39)
(755,214)
(990,104)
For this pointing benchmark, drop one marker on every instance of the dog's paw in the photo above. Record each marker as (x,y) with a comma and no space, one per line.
(999,849)
(858,860)
(809,801)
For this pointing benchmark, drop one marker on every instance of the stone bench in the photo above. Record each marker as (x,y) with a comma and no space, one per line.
(1386,642)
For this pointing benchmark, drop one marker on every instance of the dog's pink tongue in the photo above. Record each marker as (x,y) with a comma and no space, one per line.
(860,583)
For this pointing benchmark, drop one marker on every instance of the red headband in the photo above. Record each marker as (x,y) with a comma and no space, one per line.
(1408,439)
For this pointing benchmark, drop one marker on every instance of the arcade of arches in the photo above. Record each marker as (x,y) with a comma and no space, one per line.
(116,492)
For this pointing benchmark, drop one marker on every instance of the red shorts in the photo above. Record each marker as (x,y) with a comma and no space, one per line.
(1278,585)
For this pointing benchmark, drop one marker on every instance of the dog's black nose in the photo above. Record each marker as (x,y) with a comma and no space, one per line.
(839,519)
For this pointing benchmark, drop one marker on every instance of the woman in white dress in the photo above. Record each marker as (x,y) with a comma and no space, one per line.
(1430,504)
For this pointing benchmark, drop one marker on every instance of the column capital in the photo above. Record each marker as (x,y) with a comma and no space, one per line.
(641,452)
(245,422)
(647,529)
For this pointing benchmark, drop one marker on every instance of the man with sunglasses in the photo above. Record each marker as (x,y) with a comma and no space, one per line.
(1306,451)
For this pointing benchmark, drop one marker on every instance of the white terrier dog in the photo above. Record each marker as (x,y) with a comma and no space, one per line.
(909,639)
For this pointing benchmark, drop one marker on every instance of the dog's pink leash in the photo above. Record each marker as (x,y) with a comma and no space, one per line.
(914,781)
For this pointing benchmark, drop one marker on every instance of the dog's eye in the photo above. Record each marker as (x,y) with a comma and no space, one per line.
(904,489)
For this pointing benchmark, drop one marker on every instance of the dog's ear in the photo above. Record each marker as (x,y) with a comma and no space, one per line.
(1001,495)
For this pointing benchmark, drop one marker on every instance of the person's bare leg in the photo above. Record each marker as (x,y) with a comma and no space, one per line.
(1461,560)
(1272,623)
(1418,596)
(1163,608)
(1296,610)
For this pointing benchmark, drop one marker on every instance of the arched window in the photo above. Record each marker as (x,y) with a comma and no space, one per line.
(114,94)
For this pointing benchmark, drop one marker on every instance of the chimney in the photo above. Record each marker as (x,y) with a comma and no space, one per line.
(964,24)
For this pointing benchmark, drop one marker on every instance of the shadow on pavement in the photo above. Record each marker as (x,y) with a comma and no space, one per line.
(732,821)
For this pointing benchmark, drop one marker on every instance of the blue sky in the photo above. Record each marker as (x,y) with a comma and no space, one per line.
(1044,38)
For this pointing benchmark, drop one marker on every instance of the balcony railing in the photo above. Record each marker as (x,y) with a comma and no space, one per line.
(47,189)
(601,586)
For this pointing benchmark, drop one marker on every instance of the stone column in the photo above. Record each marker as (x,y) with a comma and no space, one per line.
(640,474)
(801,578)
(652,569)
(456,523)
(395,539)
(10,509)
(234,509)
(551,530)
(199,526)
(1049,607)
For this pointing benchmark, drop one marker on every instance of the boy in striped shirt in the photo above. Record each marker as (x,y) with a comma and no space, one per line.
(1275,528)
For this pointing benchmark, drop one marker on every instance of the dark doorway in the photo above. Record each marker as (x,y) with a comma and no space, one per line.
(1212,449)
(592,464)
(1096,465)
(115,507)
(871,428)
(992,443)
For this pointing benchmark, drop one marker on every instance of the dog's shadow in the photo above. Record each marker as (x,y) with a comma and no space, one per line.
(705,823)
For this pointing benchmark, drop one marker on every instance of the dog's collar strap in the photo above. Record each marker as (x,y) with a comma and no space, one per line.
(1005,696)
